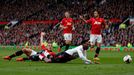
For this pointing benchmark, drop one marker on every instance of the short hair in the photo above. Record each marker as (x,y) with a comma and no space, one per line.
(68,12)
(84,41)
(96,11)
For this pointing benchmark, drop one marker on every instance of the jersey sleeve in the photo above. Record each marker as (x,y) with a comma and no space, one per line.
(62,22)
(89,21)
(72,21)
(82,55)
(43,47)
(85,53)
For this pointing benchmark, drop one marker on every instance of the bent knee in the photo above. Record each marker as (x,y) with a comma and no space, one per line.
(25,50)
(68,41)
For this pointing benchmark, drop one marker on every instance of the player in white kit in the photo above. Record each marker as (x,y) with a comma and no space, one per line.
(70,54)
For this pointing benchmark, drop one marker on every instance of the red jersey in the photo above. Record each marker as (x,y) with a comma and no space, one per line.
(96,25)
(45,49)
(67,22)
(49,51)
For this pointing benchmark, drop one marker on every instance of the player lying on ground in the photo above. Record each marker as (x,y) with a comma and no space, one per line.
(48,56)
(32,54)
(70,54)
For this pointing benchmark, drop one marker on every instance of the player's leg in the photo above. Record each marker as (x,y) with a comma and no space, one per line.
(99,41)
(92,41)
(66,42)
(61,45)
(62,57)
(28,52)
(68,39)
(97,51)
(22,59)
(58,58)
(17,53)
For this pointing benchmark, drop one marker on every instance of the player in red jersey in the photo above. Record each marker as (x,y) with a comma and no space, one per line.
(32,54)
(67,26)
(97,25)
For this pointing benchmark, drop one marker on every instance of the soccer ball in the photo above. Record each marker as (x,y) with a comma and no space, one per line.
(127,59)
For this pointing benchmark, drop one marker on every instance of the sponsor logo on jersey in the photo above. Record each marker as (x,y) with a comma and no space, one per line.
(96,22)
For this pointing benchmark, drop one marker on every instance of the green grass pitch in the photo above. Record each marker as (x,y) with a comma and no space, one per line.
(111,64)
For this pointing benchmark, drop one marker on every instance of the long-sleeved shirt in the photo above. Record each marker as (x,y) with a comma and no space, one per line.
(80,51)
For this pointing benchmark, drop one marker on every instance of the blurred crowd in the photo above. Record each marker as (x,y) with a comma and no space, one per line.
(20,34)
(120,36)
(54,10)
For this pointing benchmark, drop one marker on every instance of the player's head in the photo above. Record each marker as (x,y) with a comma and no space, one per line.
(96,13)
(85,44)
(67,14)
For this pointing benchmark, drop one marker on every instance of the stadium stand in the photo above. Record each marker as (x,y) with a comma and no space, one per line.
(54,9)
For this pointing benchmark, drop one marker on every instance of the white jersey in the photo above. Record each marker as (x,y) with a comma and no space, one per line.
(80,51)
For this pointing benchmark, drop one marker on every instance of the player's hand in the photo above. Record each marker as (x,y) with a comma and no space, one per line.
(42,33)
(64,27)
(81,17)
(88,62)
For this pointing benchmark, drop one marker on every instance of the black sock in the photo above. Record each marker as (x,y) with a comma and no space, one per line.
(62,44)
(25,58)
(13,55)
(67,47)
(18,53)
(97,51)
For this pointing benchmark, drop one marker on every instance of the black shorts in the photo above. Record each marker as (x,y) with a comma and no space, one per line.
(34,57)
(62,57)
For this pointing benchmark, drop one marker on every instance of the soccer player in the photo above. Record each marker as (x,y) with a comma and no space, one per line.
(32,54)
(70,54)
(67,25)
(97,24)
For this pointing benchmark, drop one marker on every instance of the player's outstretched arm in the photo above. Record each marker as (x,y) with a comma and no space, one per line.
(81,17)
(63,27)
(83,57)
(41,38)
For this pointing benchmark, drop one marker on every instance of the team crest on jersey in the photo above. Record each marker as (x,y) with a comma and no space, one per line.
(96,22)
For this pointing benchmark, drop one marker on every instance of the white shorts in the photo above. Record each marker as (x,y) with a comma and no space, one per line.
(68,36)
(33,53)
(95,38)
